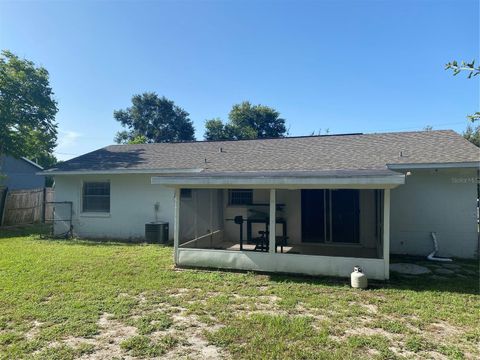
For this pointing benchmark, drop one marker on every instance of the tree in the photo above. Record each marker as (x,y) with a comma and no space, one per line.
(27,110)
(139,139)
(152,119)
(125,137)
(247,121)
(470,68)
(215,130)
(472,134)
(472,71)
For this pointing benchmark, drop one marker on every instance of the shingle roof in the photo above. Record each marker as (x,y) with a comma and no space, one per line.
(295,154)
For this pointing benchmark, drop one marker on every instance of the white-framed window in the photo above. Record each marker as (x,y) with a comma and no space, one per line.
(96,196)
(240,196)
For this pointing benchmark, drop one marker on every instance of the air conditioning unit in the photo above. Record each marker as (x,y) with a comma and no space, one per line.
(156,232)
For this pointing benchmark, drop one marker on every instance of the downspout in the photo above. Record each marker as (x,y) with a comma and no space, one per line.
(432,256)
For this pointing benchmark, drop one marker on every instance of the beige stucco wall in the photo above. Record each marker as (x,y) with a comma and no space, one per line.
(132,200)
(442,201)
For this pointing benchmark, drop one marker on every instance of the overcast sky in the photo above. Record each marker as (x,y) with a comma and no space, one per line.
(346,66)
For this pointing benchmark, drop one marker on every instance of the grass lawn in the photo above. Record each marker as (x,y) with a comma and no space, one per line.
(80,299)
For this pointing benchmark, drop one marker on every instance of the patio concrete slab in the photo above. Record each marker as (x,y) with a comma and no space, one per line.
(410,269)
(444,271)
(452,266)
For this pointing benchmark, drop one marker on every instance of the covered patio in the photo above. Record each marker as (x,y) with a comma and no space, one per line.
(315,225)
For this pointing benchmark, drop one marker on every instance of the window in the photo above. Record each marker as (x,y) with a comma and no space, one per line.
(240,197)
(96,196)
(185,193)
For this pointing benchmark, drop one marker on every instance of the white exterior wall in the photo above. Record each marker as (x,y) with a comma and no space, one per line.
(132,200)
(442,201)
(284,263)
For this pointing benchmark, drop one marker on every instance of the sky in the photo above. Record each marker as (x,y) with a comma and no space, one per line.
(345,66)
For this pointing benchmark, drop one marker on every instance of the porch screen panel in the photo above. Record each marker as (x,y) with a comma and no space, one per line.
(314,219)
(345,216)
(201,219)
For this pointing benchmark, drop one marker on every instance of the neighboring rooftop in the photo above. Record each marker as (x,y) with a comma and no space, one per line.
(309,154)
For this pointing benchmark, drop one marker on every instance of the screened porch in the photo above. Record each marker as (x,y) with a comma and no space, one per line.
(328,222)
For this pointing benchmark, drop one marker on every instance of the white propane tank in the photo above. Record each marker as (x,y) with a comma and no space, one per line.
(358,279)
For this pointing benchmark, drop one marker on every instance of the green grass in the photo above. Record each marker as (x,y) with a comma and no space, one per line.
(143,346)
(64,299)
(150,323)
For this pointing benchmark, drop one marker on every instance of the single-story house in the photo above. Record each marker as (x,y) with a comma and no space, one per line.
(316,205)
(20,173)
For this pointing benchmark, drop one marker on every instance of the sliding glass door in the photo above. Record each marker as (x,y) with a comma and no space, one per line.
(330,216)
(345,216)
(313,216)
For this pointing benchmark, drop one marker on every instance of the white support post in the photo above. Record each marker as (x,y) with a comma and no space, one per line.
(195,213)
(176,225)
(386,232)
(273,221)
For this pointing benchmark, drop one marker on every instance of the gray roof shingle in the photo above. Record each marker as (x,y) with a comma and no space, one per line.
(296,154)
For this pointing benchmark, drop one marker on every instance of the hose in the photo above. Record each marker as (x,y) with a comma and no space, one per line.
(432,256)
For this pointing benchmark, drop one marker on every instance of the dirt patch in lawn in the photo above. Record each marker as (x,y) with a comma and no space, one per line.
(34,330)
(107,342)
(194,344)
(369,332)
(105,345)
(187,328)
(443,329)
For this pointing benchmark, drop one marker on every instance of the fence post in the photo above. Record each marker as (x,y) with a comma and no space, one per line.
(44,204)
(4,205)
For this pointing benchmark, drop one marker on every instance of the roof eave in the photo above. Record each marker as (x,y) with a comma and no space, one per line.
(372,182)
(32,163)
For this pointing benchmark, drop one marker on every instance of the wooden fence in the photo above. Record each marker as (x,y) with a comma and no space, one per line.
(26,206)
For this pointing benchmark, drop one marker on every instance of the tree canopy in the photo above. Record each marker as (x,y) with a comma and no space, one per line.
(27,110)
(472,70)
(472,134)
(153,119)
(247,121)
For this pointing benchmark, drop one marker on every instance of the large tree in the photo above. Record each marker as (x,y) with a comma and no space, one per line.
(153,119)
(27,110)
(247,121)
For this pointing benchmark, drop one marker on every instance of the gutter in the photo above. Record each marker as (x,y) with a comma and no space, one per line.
(451,165)
(288,182)
(32,163)
(120,171)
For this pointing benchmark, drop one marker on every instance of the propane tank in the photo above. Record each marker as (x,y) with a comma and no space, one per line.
(358,278)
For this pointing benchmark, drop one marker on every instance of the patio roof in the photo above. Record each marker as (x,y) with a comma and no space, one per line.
(369,178)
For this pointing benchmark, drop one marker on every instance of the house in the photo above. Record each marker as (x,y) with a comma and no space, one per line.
(20,173)
(312,205)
